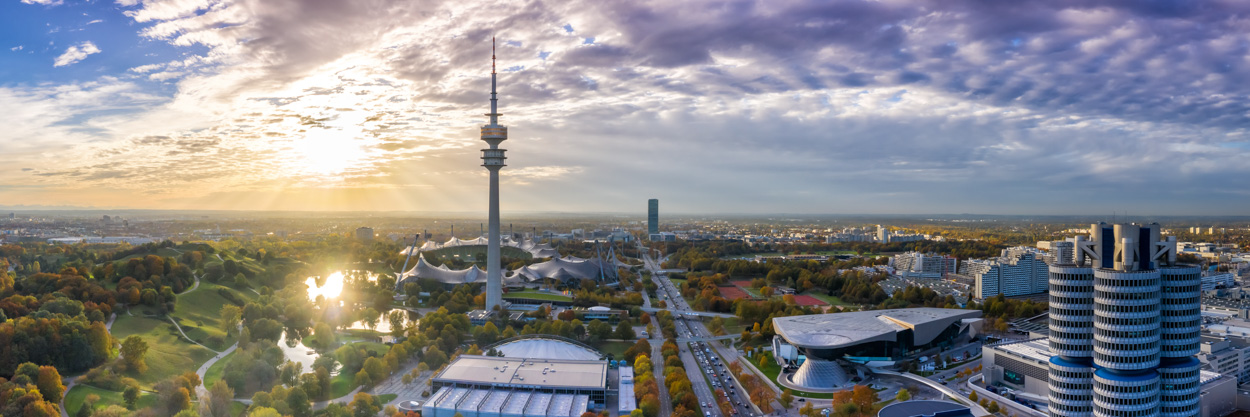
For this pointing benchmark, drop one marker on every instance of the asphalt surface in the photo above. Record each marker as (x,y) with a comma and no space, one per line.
(698,356)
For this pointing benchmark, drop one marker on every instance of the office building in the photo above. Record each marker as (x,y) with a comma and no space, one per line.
(1019,271)
(1057,252)
(920,265)
(1228,355)
(364,233)
(1024,369)
(1125,323)
(653,216)
(493,159)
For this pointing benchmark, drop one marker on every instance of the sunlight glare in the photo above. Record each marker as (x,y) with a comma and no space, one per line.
(331,289)
(324,151)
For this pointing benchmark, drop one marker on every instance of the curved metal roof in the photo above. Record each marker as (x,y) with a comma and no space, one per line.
(828,331)
(546,349)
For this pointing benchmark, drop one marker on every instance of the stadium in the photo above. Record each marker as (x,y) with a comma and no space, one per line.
(560,270)
(815,343)
(537,375)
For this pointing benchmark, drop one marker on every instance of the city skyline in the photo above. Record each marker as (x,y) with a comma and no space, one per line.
(734,107)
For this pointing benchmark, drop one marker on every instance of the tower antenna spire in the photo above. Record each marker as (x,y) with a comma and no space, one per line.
(492,54)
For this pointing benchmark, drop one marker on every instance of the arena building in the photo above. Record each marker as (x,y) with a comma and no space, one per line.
(531,387)
(1024,367)
(878,337)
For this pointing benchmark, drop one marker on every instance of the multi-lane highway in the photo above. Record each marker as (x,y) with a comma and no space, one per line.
(700,355)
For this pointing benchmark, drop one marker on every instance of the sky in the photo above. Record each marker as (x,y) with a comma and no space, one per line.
(769,106)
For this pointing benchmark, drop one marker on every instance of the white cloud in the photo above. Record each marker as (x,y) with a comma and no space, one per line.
(16,48)
(43,2)
(76,53)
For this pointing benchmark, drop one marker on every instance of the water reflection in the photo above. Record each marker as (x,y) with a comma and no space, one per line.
(297,352)
(331,286)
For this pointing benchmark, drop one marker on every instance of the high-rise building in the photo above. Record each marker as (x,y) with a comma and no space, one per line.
(1125,323)
(364,233)
(653,216)
(493,159)
(919,265)
(1019,271)
(883,234)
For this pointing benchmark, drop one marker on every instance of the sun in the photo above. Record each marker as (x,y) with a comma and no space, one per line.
(329,151)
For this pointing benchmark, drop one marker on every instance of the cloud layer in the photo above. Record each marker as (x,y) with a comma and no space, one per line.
(894,106)
(76,53)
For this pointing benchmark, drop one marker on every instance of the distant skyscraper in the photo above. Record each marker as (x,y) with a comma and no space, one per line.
(883,234)
(493,159)
(653,216)
(1125,323)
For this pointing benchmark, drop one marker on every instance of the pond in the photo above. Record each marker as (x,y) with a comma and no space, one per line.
(383,325)
(332,285)
(298,353)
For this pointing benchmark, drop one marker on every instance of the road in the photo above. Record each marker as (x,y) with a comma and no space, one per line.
(699,356)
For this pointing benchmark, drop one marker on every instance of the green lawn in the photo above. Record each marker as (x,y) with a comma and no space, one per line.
(386,398)
(535,295)
(616,349)
(168,353)
(75,397)
(199,313)
(342,384)
(213,374)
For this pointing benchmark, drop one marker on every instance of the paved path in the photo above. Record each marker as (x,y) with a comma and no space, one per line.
(200,391)
(405,392)
(194,286)
(184,335)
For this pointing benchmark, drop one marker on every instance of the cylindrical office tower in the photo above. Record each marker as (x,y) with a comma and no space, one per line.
(1180,387)
(1146,321)
(1071,340)
(1180,341)
(1126,343)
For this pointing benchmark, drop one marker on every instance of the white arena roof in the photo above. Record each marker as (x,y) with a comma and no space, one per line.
(546,349)
(513,372)
(828,331)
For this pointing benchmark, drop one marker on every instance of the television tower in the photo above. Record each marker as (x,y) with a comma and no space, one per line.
(493,159)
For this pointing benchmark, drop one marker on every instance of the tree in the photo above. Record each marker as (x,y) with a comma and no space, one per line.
(323,335)
(786,399)
(624,331)
(130,396)
(297,400)
(364,405)
(264,412)
(49,383)
(230,317)
(993,408)
(903,395)
(220,398)
(187,413)
(397,318)
(133,350)
(864,397)
(973,396)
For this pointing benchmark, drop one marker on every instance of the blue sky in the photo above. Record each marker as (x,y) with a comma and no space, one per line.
(894,106)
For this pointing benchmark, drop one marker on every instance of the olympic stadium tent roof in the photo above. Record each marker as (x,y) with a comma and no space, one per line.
(546,349)
(828,331)
(537,250)
(563,270)
(443,274)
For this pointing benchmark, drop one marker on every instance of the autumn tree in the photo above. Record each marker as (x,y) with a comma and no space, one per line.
(133,351)
(786,399)
(864,397)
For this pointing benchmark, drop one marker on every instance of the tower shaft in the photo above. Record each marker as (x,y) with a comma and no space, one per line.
(493,159)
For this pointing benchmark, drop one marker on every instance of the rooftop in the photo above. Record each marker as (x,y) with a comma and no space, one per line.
(1039,351)
(924,408)
(825,331)
(546,349)
(548,373)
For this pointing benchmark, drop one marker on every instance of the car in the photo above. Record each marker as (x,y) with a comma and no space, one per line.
(802,400)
